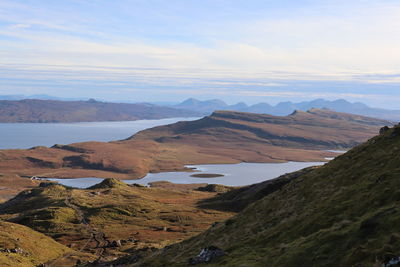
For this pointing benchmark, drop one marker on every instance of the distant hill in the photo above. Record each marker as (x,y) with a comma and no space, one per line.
(345,213)
(203,106)
(223,137)
(285,108)
(33,110)
(40,97)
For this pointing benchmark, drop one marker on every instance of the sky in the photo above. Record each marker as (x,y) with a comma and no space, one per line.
(234,50)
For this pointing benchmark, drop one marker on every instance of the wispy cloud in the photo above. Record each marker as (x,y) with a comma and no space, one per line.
(20,26)
(267,49)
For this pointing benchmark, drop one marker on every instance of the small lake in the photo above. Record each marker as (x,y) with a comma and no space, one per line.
(27,135)
(234,174)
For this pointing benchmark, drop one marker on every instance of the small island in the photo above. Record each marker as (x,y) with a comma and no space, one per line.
(207,175)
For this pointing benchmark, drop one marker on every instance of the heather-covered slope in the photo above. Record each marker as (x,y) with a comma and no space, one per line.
(223,137)
(345,213)
(34,110)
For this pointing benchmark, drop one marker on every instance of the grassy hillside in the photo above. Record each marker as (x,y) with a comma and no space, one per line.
(223,137)
(345,213)
(112,218)
(236,199)
(21,246)
(34,110)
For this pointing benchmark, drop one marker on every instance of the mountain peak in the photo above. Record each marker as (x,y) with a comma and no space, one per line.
(190,101)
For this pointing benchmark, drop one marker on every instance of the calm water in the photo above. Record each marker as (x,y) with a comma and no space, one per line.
(337,151)
(234,174)
(27,135)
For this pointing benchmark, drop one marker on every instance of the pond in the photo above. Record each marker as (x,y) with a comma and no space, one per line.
(233,174)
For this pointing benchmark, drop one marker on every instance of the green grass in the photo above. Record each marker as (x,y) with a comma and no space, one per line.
(345,213)
(36,248)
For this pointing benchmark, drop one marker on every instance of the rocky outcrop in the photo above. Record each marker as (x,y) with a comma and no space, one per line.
(207,255)
(383,130)
(218,188)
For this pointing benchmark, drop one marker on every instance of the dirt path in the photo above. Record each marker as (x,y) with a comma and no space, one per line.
(99,237)
(96,235)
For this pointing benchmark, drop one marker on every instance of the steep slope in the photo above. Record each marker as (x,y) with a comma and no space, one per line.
(236,199)
(21,246)
(223,137)
(33,110)
(345,213)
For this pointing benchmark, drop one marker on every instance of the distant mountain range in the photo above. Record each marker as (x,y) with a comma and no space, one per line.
(34,110)
(187,108)
(39,96)
(286,108)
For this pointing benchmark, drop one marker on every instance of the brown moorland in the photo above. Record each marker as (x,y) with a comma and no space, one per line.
(112,218)
(223,137)
(10,185)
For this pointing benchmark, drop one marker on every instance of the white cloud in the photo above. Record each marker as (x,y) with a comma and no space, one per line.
(366,39)
(357,42)
(20,26)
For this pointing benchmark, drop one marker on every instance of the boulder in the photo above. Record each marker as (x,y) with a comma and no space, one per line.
(116,243)
(46,184)
(207,255)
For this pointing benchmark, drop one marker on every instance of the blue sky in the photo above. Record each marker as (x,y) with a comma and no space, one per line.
(252,51)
